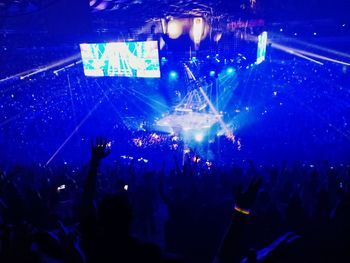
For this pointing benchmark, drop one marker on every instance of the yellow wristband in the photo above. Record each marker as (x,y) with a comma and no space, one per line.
(242,211)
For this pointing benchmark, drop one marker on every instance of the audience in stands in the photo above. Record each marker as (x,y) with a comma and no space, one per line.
(181,213)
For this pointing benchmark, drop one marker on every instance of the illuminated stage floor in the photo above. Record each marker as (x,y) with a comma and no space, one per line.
(189,120)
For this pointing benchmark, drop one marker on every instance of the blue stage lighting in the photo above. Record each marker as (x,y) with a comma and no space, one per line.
(173,74)
(198,137)
(230,70)
(212,73)
(163,60)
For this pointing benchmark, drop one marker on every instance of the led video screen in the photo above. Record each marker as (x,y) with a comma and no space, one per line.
(122,59)
(262,42)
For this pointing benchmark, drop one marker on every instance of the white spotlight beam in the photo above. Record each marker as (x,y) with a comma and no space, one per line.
(307,58)
(53,65)
(302,53)
(329,50)
(310,54)
(296,54)
(223,125)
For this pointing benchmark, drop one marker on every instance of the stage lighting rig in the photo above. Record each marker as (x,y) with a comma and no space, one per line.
(193,113)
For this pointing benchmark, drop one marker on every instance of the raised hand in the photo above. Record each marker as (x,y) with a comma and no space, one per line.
(245,200)
(99,150)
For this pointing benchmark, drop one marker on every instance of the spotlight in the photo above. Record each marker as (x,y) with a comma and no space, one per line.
(199,137)
(230,70)
(218,36)
(173,74)
(197,29)
(174,29)
(212,73)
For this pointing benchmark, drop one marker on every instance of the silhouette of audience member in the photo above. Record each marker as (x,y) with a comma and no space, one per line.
(107,232)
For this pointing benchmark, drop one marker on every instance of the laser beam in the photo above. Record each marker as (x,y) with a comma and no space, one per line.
(74,131)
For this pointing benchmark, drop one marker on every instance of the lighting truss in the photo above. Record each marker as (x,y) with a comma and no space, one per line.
(190,114)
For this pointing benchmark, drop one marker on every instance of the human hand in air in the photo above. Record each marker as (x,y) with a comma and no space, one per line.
(246,199)
(99,150)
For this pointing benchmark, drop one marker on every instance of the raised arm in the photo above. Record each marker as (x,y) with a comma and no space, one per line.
(88,220)
(99,151)
(231,248)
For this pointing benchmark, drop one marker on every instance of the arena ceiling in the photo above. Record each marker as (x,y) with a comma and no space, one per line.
(154,8)
(118,15)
